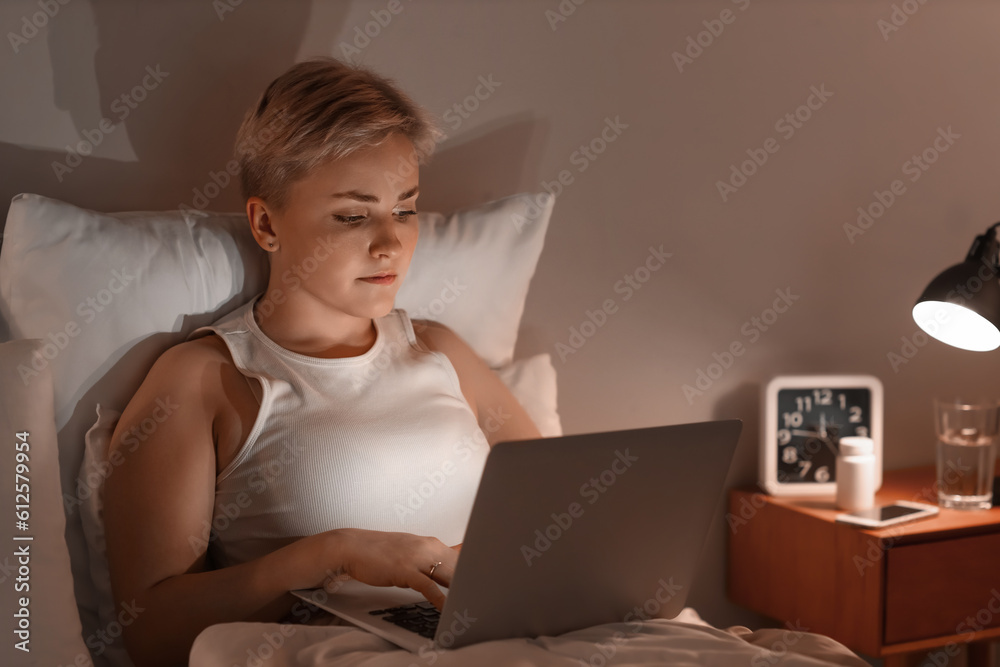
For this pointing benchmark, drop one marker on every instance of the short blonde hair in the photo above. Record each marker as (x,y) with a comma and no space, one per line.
(318,110)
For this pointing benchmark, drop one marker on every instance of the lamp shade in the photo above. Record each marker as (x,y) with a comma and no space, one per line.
(961,307)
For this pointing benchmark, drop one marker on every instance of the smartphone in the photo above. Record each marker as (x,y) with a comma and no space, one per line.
(887,515)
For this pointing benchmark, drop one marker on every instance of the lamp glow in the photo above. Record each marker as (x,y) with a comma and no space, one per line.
(956,325)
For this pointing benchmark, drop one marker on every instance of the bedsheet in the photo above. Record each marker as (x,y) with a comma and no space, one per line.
(684,640)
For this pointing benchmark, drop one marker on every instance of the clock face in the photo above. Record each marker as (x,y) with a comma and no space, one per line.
(811,423)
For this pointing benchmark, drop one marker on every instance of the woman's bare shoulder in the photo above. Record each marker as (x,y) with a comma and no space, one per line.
(200,357)
(191,369)
(436,336)
(202,350)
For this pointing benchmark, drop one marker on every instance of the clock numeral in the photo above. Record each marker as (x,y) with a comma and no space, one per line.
(792,419)
(804,468)
(855,417)
(822,474)
(822,396)
(804,403)
(789,455)
(784,436)
(862,431)
(843,401)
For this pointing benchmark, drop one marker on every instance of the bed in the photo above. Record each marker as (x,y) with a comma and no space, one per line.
(89,300)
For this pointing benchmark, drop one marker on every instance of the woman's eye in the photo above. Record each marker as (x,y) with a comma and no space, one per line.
(405,214)
(351,220)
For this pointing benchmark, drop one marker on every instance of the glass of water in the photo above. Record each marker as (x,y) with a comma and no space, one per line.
(966,431)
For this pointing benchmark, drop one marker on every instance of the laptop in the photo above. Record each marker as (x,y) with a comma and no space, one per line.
(565,533)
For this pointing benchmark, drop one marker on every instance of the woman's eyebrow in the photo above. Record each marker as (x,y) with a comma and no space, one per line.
(365,197)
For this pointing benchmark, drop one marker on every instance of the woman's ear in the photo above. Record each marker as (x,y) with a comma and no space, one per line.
(260,224)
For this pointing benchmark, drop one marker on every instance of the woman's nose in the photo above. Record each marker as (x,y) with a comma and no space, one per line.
(385,241)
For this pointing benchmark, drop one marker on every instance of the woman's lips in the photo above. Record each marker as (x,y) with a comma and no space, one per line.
(381,280)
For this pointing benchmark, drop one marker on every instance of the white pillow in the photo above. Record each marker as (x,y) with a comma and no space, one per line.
(460,261)
(532,381)
(53,618)
(93,473)
(110,280)
(108,293)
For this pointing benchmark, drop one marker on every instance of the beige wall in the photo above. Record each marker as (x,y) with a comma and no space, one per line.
(655,184)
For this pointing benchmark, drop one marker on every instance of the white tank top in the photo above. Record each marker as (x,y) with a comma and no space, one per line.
(382,441)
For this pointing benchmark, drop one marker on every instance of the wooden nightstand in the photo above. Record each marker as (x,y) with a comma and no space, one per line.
(929,585)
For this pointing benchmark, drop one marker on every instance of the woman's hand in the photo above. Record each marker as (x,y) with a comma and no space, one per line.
(399,559)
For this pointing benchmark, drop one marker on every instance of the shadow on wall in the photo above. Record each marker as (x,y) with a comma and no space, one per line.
(176,77)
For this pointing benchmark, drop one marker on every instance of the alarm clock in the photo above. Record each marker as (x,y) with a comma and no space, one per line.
(804,418)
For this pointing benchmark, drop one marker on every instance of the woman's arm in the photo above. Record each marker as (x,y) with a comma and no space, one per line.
(158,504)
(500,415)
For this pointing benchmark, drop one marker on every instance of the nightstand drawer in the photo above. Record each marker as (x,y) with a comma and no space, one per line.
(941,588)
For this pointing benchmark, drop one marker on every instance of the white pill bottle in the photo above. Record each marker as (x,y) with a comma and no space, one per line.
(855,474)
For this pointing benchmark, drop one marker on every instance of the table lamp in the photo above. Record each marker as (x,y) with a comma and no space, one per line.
(961,306)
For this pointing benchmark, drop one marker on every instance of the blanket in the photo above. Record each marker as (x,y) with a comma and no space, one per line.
(684,640)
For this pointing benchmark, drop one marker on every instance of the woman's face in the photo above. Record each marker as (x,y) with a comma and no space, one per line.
(349,220)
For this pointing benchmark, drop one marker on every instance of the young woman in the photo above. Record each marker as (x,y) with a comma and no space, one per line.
(319,432)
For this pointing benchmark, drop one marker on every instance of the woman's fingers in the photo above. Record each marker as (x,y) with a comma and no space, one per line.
(446,570)
(426,587)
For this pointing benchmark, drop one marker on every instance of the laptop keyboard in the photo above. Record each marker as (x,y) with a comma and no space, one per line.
(419,617)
